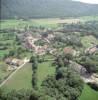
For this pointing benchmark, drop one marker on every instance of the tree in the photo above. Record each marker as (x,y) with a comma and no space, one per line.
(90,67)
(34,69)
(16,95)
(68,57)
(34,62)
(89,63)
(11,53)
(64,85)
(59,62)
(34,80)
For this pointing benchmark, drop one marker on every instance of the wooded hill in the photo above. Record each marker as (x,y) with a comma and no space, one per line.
(45,8)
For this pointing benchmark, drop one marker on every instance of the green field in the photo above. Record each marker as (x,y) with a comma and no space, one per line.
(89,94)
(20,24)
(3,72)
(3,52)
(48,22)
(23,78)
(88,41)
(89,18)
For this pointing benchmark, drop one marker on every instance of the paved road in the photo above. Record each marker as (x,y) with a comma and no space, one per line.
(12,74)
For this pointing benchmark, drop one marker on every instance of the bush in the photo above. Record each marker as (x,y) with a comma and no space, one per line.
(93,86)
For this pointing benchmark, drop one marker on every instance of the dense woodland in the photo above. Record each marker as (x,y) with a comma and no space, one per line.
(45,9)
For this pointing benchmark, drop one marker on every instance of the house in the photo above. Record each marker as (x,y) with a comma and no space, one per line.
(68,50)
(50,36)
(8,61)
(41,50)
(14,61)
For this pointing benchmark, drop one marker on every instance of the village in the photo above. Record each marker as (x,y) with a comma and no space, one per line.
(75,49)
(28,41)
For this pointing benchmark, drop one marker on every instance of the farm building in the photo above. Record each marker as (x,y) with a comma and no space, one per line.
(14,61)
(68,50)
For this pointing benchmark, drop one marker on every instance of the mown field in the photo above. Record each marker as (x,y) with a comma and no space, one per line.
(89,94)
(22,79)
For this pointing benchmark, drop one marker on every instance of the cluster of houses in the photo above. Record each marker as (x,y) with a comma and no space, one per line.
(28,41)
(69,50)
(13,63)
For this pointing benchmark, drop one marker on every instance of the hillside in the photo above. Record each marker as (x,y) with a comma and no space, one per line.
(45,8)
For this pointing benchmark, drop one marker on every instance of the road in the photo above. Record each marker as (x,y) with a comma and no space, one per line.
(13,73)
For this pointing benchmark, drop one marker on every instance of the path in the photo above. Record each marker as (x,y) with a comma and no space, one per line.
(13,73)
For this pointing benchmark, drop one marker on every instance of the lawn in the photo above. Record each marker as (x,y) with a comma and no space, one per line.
(23,78)
(89,94)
